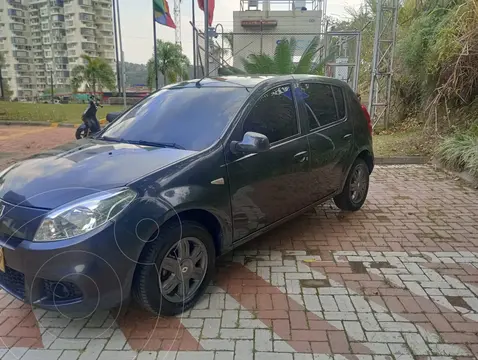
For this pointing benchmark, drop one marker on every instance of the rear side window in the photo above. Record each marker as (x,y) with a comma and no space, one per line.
(339,100)
(320,103)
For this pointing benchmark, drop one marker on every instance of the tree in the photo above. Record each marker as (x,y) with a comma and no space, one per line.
(283,60)
(172,63)
(7,93)
(95,73)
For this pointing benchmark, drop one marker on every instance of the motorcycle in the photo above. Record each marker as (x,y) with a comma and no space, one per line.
(85,129)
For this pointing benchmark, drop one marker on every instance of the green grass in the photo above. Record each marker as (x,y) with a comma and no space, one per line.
(398,144)
(67,113)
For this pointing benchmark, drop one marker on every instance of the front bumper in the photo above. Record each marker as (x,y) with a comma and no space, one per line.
(75,276)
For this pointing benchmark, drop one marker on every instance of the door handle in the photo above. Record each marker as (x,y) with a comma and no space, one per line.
(348,136)
(302,156)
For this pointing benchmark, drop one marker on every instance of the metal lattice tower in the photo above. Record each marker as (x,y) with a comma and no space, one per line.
(177,21)
(382,63)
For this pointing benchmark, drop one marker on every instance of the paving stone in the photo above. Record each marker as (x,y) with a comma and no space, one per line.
(42,355)
(70,355)
(385,337)
(216,344)
(241,334)
(113,355)
(69,344)
(223,355)
(272,356)
(262,340)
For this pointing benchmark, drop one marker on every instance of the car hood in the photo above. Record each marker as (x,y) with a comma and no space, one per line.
(55,177)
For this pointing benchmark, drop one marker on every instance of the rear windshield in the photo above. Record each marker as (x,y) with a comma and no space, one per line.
(193,118)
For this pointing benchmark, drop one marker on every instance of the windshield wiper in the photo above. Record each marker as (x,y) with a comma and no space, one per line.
(156,144)
(143,143)
(107,138)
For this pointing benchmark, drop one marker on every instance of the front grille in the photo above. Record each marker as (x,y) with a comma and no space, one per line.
(59,291)
(13,281)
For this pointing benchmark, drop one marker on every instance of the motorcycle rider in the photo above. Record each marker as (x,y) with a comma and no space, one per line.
(89,116)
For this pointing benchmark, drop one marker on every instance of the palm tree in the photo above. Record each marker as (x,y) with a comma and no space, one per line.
(95,73)
(283,60)
(172,63)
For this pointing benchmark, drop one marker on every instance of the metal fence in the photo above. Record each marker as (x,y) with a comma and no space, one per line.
(334,54)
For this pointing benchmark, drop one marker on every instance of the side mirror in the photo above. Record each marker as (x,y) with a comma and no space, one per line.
(251,143)
(112,116)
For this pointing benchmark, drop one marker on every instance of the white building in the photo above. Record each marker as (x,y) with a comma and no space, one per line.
(42,41)
(261,24)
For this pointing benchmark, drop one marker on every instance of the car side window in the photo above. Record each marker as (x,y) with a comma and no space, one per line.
(274,115)
(339,100)
(320,99)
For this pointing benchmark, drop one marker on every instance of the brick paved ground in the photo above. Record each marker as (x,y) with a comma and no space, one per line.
(19,141)
(397,280)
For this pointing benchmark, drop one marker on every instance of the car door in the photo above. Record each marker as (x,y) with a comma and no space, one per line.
(330,136)
(266,187)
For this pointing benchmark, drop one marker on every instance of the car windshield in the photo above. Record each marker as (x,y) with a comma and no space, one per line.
(190,118)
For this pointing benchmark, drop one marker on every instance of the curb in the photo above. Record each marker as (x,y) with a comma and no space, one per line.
(42,123)
(402,160)
(464,175)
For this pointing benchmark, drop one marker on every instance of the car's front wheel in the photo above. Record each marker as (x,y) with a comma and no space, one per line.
(356,187)
(175,269)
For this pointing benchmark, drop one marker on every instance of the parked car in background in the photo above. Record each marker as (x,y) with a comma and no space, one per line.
(189,173)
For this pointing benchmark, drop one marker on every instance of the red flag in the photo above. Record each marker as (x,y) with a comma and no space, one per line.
(211,4)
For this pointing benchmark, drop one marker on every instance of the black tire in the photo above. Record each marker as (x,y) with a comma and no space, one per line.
(350,200)
(146,290)
(81,133)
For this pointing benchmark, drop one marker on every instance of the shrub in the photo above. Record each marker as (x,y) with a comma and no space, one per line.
(460,151)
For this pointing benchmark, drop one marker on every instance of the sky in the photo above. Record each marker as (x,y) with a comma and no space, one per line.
(137,23)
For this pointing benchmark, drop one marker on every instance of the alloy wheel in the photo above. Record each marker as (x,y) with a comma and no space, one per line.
(358,184)
(182,271)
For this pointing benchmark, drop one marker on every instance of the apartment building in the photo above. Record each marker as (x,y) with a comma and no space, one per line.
(42,41)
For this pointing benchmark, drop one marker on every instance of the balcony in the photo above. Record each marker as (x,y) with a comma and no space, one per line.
(56,10)
(87,32)
(107,54)
(16,13)
(89,39)
(89,24)
(104,20)
(91,53)
(20,54)
(17,4)
(17,27)
(88,10)
(58,25)
(105,27)
(88,46)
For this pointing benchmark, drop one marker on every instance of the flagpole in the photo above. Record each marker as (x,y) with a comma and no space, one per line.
(155,50)
(116,48)
(194,39)
(206,37)
(123,83)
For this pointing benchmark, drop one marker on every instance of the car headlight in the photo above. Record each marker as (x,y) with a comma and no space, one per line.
(83,215)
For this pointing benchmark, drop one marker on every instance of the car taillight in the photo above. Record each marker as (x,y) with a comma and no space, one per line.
(369,121)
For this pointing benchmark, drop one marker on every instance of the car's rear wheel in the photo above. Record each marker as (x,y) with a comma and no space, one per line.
(356,187)
(175,269)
